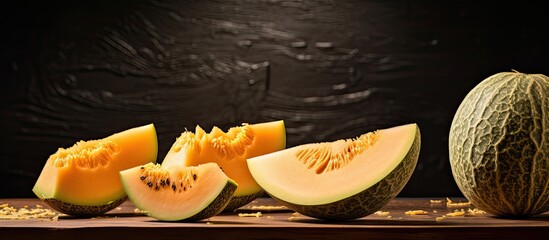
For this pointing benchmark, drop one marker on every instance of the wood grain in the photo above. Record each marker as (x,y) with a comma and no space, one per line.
(282,224)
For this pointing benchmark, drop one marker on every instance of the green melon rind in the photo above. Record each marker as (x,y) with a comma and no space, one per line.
(82,211)
(499,145)
(369,200)
(217,205)
(214,208)
(239,201)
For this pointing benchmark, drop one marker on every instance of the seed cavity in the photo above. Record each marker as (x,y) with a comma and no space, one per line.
(159,179)
(322,157)
(232,144)
(187,139)
(86,154)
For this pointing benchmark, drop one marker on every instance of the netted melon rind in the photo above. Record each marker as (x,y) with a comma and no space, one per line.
(369,200)
(82,211)
(499,145)
(217,205)
(239,201)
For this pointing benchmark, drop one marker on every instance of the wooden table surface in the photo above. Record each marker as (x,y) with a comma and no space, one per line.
(127,223)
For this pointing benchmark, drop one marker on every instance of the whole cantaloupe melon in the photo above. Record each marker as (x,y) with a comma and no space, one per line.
(499,145)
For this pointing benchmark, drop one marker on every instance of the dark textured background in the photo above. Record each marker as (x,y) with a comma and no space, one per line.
(74,70)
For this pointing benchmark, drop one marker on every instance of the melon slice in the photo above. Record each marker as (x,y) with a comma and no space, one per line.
(229,150)
(344,179)
(178,193)
(84,181)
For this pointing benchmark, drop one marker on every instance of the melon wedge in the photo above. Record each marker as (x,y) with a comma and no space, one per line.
(344,179)
(178,193)
(229,150)
(84,181)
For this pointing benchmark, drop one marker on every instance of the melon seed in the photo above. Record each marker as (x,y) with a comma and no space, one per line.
(150,184)
(194,177)
(142,178)
(321,159)
(173,187)
(167,181)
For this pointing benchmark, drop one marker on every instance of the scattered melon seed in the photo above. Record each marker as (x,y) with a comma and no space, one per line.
(268,208)
(475,212)
(8,212)
(416,212)
(449,203)
(257,214)
(137,210)
(381,213)
(456,213)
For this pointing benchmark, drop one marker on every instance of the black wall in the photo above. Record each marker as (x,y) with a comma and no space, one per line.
(74,70)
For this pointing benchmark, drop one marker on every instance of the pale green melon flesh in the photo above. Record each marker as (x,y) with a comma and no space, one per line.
(363,203)
(208,194)
(499,145)
(369,200)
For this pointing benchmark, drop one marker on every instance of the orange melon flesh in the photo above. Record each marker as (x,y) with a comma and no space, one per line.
(204,196)
(287,178)
(94,178)
(264,138)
